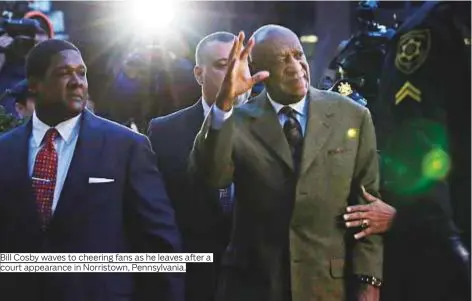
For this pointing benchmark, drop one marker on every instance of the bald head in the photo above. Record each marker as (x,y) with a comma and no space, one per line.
(271,31)
(278,50)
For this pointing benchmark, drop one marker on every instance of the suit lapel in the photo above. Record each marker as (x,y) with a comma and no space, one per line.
(195,119)
(267,128)
(20,172)
(87,154)
(318,128)
(192,127)
(188,127)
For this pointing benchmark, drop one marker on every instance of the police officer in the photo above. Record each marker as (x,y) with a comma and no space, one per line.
(423,125)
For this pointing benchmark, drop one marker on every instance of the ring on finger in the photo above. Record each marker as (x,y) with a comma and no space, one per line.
(365,223)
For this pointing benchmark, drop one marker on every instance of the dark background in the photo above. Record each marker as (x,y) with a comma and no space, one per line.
(97,27)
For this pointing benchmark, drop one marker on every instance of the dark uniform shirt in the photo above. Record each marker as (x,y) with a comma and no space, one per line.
(423,118)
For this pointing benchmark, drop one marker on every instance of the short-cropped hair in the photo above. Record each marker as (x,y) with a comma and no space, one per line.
(39,57)
(220,36)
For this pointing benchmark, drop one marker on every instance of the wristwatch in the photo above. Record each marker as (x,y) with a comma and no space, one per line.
(370,280)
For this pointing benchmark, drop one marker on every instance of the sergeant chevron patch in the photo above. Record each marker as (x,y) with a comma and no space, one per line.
(407,90)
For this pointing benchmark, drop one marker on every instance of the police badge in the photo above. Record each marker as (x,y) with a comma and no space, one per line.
(345,89)
(412,50)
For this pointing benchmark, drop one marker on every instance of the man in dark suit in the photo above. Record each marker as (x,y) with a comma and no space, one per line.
(71,182)
(203,213)
(297,157)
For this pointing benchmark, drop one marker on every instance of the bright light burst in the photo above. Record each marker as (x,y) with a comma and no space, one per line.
(150,18)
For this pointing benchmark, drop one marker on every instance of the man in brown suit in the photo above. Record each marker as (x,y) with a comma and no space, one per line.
(297,157)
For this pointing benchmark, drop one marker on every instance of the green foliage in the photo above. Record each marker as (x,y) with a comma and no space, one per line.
(8,121)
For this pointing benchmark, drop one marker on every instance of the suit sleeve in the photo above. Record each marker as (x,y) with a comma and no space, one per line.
(154,227)
(211,156)
(368,252)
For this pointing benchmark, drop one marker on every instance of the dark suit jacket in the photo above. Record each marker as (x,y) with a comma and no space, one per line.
(203,226)
(131,214)
(277,210)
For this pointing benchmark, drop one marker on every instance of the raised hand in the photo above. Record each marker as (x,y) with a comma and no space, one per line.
(237,79)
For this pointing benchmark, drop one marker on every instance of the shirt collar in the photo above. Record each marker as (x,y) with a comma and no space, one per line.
(299,107)
(206,108)
(64,128)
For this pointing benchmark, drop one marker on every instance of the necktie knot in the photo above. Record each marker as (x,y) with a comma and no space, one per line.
(292,127)
(50,136)
(288,111)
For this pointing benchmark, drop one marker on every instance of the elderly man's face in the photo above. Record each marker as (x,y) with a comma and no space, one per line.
(213,69)
(64,86)
(282,55)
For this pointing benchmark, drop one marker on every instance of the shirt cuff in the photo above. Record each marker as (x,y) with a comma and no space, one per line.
(219,117)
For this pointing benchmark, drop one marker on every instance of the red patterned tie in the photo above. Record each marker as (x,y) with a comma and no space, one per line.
(44,177)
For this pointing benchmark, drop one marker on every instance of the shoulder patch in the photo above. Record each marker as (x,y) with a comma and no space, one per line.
(412,50)
(345,89)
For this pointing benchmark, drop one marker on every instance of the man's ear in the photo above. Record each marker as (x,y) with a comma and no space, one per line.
(198,73)
(33,85)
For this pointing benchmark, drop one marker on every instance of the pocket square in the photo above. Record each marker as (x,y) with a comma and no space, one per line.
(100,180)
(338,150)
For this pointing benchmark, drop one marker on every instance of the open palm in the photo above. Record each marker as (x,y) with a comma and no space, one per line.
(237,80)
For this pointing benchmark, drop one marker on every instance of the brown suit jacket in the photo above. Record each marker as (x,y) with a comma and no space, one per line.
(277,210)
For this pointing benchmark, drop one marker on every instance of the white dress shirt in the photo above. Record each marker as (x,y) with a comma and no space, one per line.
(206,108)
(301,108)
(64,144)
